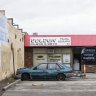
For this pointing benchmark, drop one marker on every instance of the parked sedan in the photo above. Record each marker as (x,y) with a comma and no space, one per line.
(46,71)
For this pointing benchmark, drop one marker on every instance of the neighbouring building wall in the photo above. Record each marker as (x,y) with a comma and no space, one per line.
(12,52)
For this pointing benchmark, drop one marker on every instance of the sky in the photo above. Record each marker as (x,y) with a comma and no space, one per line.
(52,17)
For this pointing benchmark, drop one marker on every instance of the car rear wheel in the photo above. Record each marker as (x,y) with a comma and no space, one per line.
(60,77)
(25,76)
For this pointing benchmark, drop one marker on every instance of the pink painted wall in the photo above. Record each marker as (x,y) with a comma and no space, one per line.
(76,40)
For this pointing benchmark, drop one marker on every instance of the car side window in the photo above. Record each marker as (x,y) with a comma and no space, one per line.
(42,66)
(53,66)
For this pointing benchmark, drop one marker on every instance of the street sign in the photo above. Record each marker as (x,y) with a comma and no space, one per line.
(88,55)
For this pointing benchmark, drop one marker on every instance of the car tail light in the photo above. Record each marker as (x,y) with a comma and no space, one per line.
(72,71)
(18,73)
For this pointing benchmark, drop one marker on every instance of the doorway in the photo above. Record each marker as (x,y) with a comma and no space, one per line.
(77,58)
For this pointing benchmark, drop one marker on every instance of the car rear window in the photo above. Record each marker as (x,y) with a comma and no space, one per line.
(53,66)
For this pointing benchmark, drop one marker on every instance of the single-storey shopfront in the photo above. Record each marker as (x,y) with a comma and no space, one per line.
(58,48)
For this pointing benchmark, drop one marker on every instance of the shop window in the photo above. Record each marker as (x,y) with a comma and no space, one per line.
(66,58)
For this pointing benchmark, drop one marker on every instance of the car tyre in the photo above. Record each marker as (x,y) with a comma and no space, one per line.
(25,76)
(60,77)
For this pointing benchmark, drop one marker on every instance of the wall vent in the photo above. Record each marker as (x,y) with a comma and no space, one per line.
(50,50)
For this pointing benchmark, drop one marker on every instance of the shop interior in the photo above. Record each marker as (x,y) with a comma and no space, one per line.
(77,58)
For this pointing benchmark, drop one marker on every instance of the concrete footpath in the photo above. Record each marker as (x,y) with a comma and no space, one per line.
(90,75)
(53,88)
(5,84)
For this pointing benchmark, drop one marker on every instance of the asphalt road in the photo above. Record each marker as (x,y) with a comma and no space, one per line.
(53,88)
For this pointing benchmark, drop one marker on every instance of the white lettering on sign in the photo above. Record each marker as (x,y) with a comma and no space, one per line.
(88,58)
(50,41)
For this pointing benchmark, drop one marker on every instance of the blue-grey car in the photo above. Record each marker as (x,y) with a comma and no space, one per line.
(46,71)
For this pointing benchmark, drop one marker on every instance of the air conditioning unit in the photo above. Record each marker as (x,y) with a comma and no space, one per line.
(50,50)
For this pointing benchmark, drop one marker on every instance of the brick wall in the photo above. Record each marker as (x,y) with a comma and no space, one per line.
(28,57)
(89,68)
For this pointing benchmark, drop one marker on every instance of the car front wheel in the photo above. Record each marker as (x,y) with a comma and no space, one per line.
(60,77)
